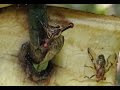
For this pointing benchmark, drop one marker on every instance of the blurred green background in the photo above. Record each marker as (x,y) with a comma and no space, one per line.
(106,9)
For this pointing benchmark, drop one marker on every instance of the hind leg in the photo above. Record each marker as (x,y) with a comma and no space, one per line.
(111,64)
(89,66)
(89,77)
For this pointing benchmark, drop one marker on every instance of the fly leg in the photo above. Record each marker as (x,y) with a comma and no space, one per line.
(89,77)
(89,67)
(107,63)
(111,64)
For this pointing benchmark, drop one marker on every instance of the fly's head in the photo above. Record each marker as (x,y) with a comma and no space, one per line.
(54,32)
(101,61)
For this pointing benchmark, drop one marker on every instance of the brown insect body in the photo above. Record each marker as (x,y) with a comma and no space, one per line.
(45,42)
(53,34)
(101,66)
(41,53)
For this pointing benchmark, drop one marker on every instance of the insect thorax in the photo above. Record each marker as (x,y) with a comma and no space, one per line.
(101,60)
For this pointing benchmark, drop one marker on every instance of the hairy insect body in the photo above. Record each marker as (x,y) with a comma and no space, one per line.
(39,55)
(45,42)
(101,66)
(51,45)
(52,50)
(28,65)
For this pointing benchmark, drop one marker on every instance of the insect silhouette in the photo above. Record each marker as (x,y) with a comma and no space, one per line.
(37,58)
(100,65)
(46,41)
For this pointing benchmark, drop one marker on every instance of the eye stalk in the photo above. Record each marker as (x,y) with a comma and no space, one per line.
(54,32)
(71,25)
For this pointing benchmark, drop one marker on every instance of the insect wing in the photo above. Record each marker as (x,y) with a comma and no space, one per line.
(112,59)
(92,54)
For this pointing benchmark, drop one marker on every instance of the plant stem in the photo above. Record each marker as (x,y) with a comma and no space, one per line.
(37,13)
